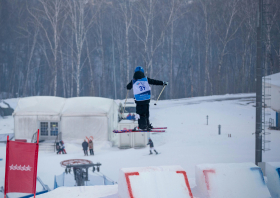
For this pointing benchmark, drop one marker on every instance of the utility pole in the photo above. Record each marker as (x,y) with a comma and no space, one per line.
(114,68)
(258,133)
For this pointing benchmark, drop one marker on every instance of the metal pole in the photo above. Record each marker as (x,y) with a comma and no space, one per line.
(113,49)
(258,137)
(219,127)
(6,167)
(160,94)
(207,119)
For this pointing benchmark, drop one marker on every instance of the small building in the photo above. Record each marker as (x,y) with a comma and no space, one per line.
(134,139)
(75,118)
(273,88)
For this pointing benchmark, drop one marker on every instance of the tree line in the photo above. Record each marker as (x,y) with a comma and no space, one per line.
(72,48)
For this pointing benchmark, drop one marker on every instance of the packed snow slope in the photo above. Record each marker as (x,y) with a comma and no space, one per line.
(188,141)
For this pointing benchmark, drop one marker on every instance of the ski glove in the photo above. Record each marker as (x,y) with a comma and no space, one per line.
(165,83)
(129,85)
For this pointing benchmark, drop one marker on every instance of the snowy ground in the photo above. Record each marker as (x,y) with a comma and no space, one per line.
(187,142)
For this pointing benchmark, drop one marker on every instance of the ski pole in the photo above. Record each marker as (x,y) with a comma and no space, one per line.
(160,94)
(125,102)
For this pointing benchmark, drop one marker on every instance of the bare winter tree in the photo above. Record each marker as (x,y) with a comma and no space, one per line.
(52,14)
(125,9)
(277,45)
(33,37)
(205,5)
(226,30)
(247,32)
(82,18)
(271,18)
(90,47)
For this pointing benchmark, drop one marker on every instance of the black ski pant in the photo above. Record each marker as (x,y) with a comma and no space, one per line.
(143,112)
(85,152)
(91,151)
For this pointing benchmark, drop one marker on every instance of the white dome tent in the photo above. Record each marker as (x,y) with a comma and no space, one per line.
(31,112)
(89,116)
(77,118)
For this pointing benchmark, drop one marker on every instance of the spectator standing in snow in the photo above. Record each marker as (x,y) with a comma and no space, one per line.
(90,146)
(151,146)
(85,147)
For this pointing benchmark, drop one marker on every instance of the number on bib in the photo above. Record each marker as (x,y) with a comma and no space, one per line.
(141,88)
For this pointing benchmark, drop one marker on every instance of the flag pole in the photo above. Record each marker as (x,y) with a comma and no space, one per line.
(36,163)
(6,168)
(38,137)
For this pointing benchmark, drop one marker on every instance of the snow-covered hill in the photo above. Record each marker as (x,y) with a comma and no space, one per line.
(187,142)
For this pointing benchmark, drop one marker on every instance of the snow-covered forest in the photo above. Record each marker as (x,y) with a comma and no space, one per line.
(74,48)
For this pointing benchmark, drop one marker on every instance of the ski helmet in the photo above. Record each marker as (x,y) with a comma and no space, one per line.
(139,69)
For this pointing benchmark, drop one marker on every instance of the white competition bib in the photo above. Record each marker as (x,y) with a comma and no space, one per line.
(141,89)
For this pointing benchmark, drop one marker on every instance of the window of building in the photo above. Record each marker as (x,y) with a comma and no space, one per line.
(44,128)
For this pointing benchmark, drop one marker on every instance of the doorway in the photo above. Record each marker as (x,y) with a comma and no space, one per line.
(48,130)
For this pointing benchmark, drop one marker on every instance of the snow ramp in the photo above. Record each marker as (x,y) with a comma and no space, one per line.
(272,170)
(154,182)
(231,181)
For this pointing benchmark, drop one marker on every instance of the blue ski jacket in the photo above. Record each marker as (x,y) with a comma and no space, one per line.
(151,143)
(139,75)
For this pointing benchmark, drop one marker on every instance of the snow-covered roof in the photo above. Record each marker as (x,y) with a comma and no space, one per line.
(274,79)
(40,105)
(86,106)
(13,102)
(49,105)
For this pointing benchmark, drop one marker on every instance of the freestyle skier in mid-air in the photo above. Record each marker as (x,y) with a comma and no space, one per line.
(142,95)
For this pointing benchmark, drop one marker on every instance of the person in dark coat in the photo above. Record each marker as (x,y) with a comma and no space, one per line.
(85,147)
(142,95)
(151,146)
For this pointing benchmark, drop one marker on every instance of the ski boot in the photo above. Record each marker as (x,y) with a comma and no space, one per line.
(145,128)
(150,153)
(150,126)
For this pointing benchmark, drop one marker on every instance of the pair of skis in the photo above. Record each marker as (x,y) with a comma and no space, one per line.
(156,129)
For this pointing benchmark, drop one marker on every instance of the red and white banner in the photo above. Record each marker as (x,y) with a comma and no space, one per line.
(21,166)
